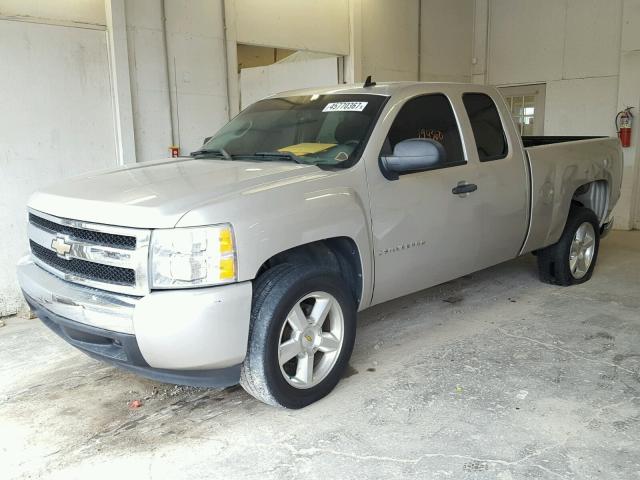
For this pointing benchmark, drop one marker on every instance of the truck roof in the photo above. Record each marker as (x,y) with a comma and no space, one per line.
(382,88)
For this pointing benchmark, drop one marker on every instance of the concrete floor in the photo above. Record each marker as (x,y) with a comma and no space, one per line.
(492,376)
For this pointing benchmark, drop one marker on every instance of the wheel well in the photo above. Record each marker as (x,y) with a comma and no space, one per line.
(594,196)
(339,253)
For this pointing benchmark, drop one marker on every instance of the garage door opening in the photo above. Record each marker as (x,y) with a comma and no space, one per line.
(267,70)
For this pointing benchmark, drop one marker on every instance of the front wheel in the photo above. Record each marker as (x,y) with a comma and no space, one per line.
(303,323)
(573,258)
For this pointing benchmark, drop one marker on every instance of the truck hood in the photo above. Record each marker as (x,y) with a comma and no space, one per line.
(157,194)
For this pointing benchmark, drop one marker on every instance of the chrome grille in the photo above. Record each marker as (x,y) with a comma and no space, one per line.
(107,239)
(101,256)
(89,270)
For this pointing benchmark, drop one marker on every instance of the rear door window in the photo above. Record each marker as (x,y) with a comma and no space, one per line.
(488,131)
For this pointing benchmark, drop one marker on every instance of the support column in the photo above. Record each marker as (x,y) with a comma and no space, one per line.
(353,61)
(231,46)
(120,80)
(627,211)
(480,42)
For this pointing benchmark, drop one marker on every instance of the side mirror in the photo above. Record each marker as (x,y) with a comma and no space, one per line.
(412,155)
(206,139)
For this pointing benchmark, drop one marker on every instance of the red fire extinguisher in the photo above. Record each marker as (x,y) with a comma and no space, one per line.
(175,151)
(624,119)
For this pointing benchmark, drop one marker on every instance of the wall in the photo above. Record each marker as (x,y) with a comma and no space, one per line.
(430,40)
(312,25)
(629,95)
(148,77)
(582,50)
(383,40)
(189,101)
(446,40)
(57,122)
(299,70)
(198,66)
(78,11)
(572,46)
(390,40)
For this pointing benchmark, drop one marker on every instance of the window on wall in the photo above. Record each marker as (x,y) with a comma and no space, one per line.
(526,104)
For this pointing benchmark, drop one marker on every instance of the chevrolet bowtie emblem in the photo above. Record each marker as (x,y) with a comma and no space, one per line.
(60,246)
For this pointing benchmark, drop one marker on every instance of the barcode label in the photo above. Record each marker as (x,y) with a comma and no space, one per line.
(345,107)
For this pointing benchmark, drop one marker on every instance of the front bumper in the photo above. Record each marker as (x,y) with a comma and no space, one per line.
(193,337)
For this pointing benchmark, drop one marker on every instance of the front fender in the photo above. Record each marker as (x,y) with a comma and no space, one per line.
(268,221)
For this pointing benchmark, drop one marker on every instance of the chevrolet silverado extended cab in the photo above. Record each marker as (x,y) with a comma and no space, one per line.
(247,261)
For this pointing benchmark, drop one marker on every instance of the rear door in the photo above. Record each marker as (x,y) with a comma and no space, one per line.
(503,185)
(424,234)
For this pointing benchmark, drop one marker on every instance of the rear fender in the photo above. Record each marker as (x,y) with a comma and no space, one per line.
(557,172)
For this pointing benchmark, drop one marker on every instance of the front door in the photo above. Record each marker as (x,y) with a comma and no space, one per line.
(424,234)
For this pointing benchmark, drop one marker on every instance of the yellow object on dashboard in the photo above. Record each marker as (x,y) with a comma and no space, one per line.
(301,149)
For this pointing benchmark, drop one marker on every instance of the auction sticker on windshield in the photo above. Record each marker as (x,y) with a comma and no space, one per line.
(345,107)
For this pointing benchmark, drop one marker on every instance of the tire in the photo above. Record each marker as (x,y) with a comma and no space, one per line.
(558,264)
(282,298)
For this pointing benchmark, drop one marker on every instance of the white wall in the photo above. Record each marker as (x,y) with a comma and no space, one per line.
(407,39)
(387,43)
(572,46)
(196,49)
(57,122)
(525,41)
(80,11)
(585,53)
(571,108)
(446,40)
(311,25)
(195,89)
(300,70)
(148,74)
(629,95)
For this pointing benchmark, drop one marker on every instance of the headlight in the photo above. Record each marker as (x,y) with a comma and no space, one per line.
(192,257)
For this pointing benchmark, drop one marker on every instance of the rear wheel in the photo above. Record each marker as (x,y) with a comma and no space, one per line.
(573,258)
(301,335)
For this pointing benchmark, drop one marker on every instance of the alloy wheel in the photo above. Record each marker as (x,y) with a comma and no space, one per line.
(582,250)
(311,339)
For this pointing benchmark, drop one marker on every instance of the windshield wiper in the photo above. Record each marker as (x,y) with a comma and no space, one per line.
(281,155)
(213,151)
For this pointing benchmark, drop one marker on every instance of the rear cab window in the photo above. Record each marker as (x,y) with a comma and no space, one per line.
(488,131)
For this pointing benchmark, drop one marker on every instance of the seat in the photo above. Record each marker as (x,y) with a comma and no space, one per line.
(352,129)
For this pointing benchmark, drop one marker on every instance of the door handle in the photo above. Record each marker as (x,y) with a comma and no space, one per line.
(464,188)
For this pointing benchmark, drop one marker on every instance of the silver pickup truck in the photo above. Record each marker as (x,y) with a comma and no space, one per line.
(247,262)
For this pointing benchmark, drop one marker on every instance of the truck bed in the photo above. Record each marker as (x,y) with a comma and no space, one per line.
(535,141)
(558,166)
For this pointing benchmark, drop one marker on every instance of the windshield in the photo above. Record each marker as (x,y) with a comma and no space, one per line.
(314,129)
